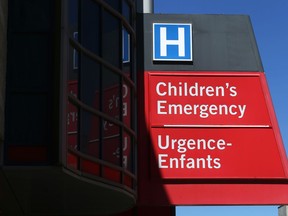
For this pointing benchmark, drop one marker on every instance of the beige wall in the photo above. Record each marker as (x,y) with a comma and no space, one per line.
(3,50)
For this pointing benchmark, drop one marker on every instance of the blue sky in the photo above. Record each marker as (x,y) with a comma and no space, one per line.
(270,22)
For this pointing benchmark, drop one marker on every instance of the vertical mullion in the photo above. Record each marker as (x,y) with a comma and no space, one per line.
(79,110)
(133,104)
(120,35)
(101,105)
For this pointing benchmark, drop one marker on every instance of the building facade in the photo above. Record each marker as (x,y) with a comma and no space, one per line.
(68,97)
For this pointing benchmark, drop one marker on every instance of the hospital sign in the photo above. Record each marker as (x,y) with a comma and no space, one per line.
(172,42)
(211,125)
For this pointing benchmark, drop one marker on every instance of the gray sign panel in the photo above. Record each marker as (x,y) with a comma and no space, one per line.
(219,43)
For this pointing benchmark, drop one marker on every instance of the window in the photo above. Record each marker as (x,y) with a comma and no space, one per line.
(101,138)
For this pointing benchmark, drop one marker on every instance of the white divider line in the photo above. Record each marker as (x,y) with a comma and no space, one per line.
(212,126)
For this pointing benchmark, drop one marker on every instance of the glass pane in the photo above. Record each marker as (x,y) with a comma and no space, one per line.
(114,3)
(126,55)
(72,126)
(111,95)
(30,65)
(30,15)
(90,134)
(126,10)
(72,134)
(90,26)
(73,15)
(90,82)
(111,39)
(73,67)
(127,152)
(74,33)
(112,145)
(33,110)
(126,104)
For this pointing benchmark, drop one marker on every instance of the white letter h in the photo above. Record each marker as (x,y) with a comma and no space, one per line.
(164,42)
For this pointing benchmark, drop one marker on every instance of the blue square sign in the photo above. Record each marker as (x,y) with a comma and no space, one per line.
(172,42)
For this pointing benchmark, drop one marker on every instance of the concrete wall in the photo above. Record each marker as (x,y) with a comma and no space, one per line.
(3,51)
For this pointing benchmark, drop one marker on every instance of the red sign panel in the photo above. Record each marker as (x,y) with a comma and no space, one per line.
(215,153)
(211,126)
(196,99)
